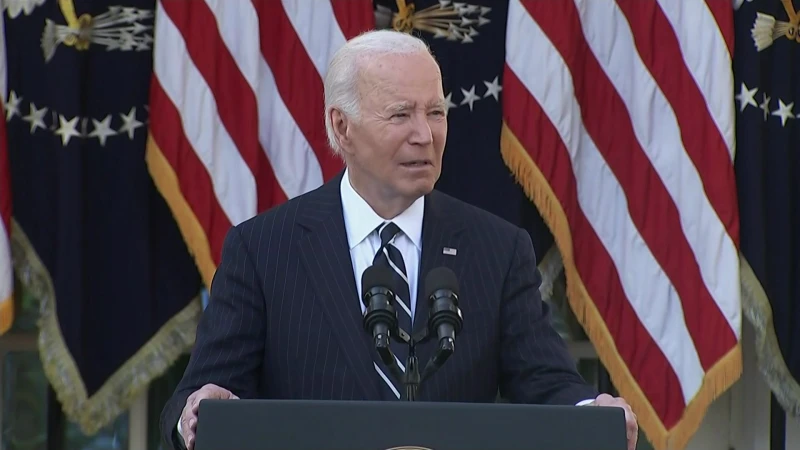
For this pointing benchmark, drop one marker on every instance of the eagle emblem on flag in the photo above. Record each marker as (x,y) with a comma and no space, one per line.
(767,28)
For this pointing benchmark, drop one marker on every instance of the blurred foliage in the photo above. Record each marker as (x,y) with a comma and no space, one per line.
(26,310)
(25,395)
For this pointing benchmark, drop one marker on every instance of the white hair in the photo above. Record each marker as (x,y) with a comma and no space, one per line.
(341,79)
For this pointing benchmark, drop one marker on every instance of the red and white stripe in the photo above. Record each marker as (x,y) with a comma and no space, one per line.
(625,107)
(6,267)
(237,107)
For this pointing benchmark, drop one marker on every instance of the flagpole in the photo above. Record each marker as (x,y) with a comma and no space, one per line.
(777,425)
(56,431)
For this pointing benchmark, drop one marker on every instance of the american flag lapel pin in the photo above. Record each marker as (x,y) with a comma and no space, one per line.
(449,251)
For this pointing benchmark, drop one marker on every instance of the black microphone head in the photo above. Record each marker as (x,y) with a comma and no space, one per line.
(376,276)
(440,278)
(377,294)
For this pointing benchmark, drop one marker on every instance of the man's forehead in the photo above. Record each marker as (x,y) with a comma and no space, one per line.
(387,83)
(401,93)
(404,95)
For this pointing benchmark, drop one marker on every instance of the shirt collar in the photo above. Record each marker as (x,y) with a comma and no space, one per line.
(360,219)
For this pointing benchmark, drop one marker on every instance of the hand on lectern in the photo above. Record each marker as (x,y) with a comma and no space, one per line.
(631,421)
(189,414)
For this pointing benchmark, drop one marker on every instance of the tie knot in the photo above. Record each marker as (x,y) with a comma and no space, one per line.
(387,231)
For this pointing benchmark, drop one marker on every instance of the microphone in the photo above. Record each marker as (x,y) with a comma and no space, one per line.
(441,290)
(380,316)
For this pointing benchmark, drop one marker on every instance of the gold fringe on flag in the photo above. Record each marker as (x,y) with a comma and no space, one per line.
(716,380)
(6,313)
(166,182)
(758,311)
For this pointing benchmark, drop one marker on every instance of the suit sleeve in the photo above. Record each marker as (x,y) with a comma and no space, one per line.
(535,365)
(229,346)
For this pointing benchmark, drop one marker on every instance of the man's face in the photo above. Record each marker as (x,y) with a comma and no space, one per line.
(396,147)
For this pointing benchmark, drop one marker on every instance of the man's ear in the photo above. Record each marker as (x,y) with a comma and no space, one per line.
(341,128)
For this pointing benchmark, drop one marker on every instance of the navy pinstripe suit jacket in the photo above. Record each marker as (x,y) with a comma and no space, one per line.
(284,320)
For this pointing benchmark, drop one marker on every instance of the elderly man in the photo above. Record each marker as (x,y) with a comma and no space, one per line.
(285,317)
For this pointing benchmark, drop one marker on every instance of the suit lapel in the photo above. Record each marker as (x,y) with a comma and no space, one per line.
(442,235)
(326,256)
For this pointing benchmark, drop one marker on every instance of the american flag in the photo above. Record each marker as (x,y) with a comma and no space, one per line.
(6,268)
(236,107)
(619,122)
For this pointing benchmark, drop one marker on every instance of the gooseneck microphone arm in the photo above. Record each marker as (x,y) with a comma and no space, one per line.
(380,319)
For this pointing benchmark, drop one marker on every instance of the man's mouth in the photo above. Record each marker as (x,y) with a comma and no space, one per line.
(416,163)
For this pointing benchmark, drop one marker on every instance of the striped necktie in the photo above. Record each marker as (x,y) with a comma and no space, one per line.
(389,255)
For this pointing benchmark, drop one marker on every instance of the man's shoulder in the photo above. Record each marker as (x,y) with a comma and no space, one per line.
(475,217)
(282,215)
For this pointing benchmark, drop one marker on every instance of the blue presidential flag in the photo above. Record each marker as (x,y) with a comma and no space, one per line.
(468,41)
(767,82)
(99,247)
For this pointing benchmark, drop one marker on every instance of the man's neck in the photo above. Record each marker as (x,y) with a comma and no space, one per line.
(386,208)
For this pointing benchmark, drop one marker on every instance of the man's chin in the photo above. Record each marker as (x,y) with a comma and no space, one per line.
(416,185)
(420,189)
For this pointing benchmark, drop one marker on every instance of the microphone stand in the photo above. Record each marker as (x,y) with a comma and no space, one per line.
(412,379)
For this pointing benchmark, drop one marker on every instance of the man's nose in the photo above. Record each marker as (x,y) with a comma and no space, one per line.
(422,134)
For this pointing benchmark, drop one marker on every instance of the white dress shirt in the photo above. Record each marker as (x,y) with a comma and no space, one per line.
(362,222)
